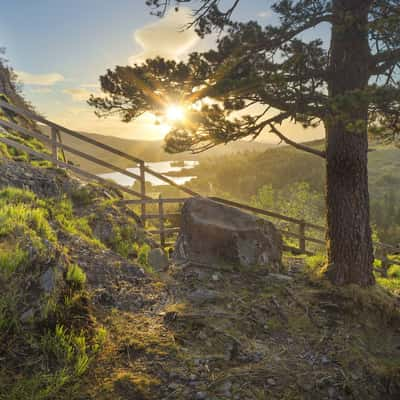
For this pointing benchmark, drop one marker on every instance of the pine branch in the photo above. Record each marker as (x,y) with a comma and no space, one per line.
(384,60)
(296,145)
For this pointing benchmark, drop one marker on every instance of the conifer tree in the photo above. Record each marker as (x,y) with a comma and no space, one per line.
(350,85)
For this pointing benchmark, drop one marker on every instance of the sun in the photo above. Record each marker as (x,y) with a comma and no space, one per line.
(175,113)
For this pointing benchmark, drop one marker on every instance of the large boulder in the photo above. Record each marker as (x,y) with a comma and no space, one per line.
(212,232)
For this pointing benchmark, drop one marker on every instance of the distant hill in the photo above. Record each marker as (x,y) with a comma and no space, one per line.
(147,150)
(242,175)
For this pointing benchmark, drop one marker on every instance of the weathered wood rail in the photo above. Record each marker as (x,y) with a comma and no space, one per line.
(57,155)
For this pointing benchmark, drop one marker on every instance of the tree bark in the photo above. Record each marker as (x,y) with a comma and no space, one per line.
(350,253)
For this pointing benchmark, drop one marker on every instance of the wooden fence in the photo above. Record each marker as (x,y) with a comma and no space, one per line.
(57,156)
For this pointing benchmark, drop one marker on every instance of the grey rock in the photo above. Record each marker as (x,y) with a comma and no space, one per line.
(281,277)
(216,277)
(225,388)
(158,260)
(212,232)
(27,315)
(173,386)
(201,396)
(200,296)
(325,360)
(48,281)
(202,335)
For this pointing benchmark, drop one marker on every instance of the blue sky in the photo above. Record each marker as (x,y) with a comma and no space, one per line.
(60,47)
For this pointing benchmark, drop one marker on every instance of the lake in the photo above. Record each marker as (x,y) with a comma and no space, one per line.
(160,167)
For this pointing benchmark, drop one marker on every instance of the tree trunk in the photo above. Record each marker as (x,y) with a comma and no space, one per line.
(350,253)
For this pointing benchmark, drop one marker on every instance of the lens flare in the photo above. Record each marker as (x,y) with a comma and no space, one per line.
(175,113)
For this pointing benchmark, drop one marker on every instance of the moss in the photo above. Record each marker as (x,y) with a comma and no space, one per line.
(138,386)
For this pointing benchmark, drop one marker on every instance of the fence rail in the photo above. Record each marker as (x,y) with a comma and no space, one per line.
(164,230)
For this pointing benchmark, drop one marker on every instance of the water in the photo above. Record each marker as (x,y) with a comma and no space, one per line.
(161,167)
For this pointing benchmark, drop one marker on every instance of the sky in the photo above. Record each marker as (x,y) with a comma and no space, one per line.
(59,48)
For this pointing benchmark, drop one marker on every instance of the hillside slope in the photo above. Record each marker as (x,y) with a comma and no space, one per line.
(84,316)
(77,304)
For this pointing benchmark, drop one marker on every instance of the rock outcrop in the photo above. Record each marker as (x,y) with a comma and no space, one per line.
(212,232)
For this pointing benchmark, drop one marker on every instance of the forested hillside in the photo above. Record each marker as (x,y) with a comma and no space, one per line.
(245,176)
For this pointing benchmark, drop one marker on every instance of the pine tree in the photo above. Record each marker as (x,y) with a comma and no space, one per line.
(348,85)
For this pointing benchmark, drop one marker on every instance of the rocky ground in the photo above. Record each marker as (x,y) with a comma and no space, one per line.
(209,331)
(226,333)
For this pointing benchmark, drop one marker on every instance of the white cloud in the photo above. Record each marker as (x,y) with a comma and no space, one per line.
(264,14)
(166,37)
(39,79)
(90,85)
(79,94)
(41,89)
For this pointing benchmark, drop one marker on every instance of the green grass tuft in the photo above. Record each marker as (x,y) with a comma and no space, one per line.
(76,276)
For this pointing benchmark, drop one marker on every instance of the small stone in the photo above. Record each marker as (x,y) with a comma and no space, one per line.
(215,277)
(173,386)
(325,360)
(202,335)
(158,260)
(280,277)
(225,388)
(48,281)
(201,396)
(203,295)
(192,377)
(27,315)
(271,382)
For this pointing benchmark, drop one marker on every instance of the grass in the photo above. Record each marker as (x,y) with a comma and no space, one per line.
(62,212)
(123,239)
(143,257)
(63,356)
(76,276)
(12,259)
(81,197)
(316,266)
(59,350)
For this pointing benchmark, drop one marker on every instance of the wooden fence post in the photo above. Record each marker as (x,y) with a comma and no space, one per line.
(162,227)
(143,191)
(302,238)
(54,147)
